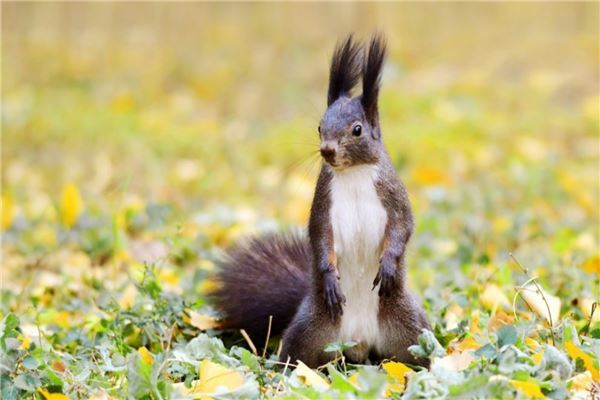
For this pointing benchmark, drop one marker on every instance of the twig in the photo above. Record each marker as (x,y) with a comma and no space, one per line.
(249,341)
(287,362)
(540,292)
(268,336)
(587,326)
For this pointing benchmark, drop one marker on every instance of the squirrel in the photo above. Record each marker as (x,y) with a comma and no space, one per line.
(321,289)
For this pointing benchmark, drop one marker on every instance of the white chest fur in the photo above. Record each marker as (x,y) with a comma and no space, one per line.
(358,220)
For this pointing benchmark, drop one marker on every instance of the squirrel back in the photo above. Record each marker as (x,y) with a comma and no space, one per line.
(263,276)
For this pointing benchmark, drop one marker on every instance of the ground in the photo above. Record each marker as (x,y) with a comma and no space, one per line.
(138,143)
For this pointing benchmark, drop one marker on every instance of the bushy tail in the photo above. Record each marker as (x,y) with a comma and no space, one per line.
(263,276)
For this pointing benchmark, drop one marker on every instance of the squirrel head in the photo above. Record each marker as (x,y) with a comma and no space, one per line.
(349,130)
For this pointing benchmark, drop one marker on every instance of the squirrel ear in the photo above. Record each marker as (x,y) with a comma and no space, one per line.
(371,77)
(345,69)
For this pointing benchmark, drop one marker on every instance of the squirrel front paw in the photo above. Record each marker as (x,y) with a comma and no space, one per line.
(334,299)
(386,277)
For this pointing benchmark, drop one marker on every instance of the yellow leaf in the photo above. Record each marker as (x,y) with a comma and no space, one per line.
(71,205)
(52,396)
(201,321)
(592,265)
(542,303)
(146,356)
(531,389)
(8,210)
(25,342)
(397,370)
(208,286)
(469,343)
(62,319)
(492,297)
(575,352)
(128,297)
(431,176)
(310,377)
(212,377)
(532,344)
(474,326)
(537,357)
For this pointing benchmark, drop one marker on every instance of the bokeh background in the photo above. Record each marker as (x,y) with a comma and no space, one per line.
(160,132)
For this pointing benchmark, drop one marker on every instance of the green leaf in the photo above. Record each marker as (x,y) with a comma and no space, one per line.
(507,335)
(428,346)
(339,381)
(487,351)
(8,329)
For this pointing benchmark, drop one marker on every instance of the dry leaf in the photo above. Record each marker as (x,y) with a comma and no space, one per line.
(531,389)
(310,377)
(535,299)
(453,316)
(201,321)
(581,381)
(456,361)
(499,319)
(71,205)
(492,297)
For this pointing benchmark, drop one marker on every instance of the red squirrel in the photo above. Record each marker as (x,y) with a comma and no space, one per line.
(321,289)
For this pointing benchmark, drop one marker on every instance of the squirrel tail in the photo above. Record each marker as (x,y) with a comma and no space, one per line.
(261,277)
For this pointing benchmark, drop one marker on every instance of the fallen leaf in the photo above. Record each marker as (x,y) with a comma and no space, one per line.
(71,205)
(310,377)
(397,370)
(499,319)
(575,352)
(592,265)
(430,176)
(469,343)
(25,342)
(531,389)
(453,316)
(537,357)
(201,321)
(542,303)
(146,356)
(214,377)
(128,297)
(581,381)
(52,396)
(456,361)
(492,297)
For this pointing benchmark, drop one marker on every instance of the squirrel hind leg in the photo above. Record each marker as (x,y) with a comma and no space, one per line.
(308,334)
(402,320)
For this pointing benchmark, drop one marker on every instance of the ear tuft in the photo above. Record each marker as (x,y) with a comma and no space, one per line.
(371,76)
(345,69)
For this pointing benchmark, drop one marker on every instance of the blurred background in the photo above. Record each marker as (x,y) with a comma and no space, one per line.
(132,124)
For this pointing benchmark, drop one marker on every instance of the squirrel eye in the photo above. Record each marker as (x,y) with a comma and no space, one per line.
(319,128)
(357,130)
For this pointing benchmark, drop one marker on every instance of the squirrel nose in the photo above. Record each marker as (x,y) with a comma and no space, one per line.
(328,153)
